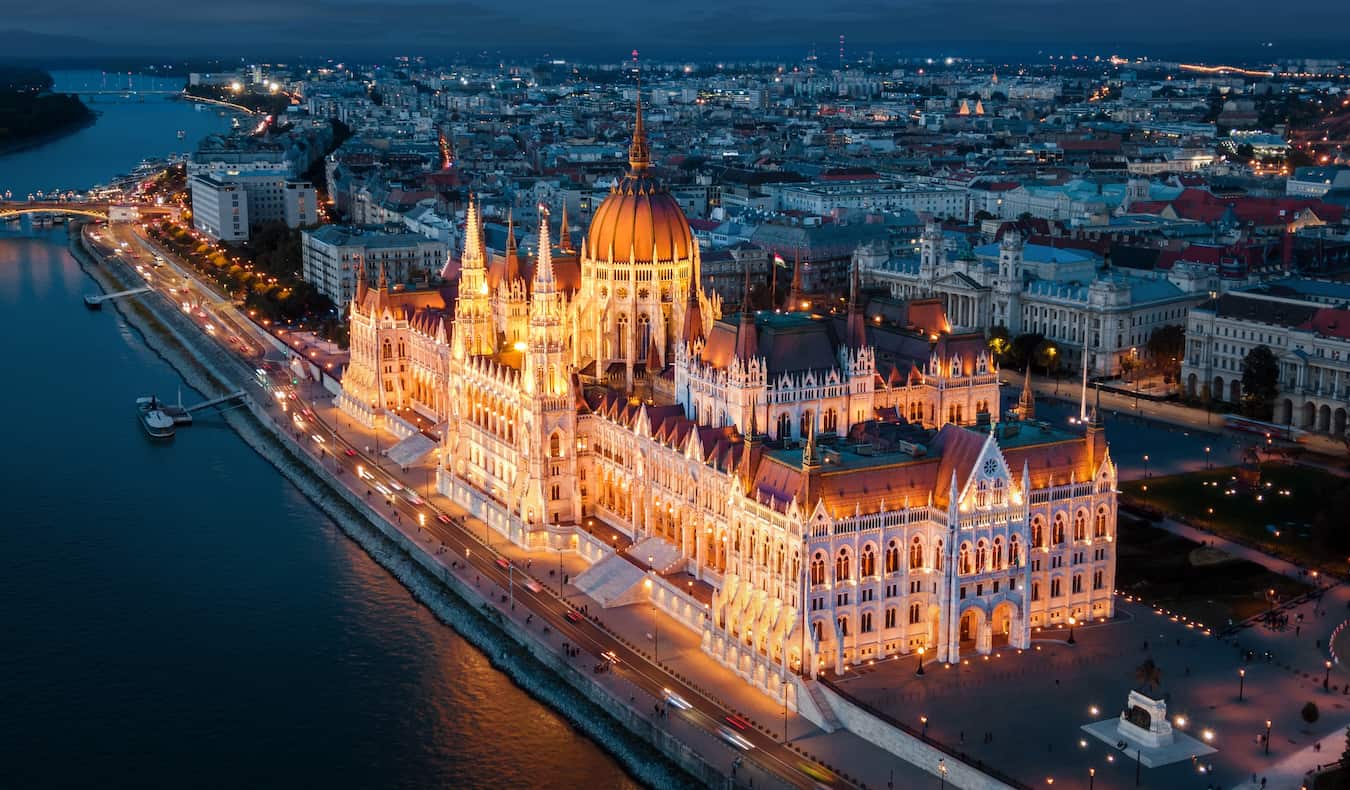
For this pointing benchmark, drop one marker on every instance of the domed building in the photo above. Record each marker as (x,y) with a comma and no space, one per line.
(639,277)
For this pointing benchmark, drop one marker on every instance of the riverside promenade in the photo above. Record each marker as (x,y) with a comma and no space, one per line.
(469,561)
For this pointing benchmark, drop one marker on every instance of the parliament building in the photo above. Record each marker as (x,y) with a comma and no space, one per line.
(806,491)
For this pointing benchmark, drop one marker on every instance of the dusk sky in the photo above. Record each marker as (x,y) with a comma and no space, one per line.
(698,27)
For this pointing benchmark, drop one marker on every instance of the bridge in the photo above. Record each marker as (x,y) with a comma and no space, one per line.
(115,212)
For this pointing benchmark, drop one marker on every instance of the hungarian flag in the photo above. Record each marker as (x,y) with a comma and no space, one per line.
(779,261)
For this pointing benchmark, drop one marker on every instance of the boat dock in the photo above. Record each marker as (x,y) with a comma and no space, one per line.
(95,301)
(161,419)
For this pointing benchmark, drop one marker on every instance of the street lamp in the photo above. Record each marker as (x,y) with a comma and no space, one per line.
(942,772)
(1326,681)
(1207,463)
(1092,777)
(1267,736)
(1146,465)
(1072,620)
(919,671)
(924,721)
(1242,681)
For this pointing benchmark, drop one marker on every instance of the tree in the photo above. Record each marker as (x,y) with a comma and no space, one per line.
(1000,342)
(1345,753)
(1260,382)
(1166,347)
(1024,348)
(1148,674)
(1310,712)
(1046,355)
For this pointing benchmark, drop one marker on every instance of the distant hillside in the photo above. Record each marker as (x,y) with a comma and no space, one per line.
(30,112)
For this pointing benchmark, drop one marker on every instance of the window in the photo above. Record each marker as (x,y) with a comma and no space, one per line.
(842,566)
(1015,551)
(916,553)
(963,560)
(1037,533)
(998,555)
(831,421)
(555,446)
(1055,588)
(1078,582)
(868,565)
(937,556)
(843,626)
(865,623)
(1099,524)
(890,617)
(1059,529)
(1035,591)
(1080,525)
(892,557)
(818,569)
(981,557)
(915,613)
(1097,582)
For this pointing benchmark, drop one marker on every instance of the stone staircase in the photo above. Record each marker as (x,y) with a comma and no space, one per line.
(613,581)
(663,556)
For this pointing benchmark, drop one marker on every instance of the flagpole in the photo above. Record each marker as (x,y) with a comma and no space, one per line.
(773,282)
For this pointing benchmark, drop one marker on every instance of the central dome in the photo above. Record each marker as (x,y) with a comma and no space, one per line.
(639,218)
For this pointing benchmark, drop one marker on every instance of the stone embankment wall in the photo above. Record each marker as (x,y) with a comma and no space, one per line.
(530,662)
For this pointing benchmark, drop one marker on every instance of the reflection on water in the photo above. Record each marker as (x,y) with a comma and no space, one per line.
(177,614)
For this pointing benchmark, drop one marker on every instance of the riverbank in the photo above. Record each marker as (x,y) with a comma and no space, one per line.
(37,141)
(532,663)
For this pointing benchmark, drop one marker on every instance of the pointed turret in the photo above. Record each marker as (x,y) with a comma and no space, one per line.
(747,340)
(795,292)
(653,356)
(639,157)
(857,325)
(384,280)
(564,234)
(474,333)
(512,272)
(693,317)
(362,287)
(1026,405)
(473,237)
(810,491)
(746,470)
(543,267)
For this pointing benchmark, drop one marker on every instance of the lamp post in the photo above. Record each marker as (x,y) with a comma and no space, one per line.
(1072,621)
(919,671)
(924,721)
(1326,680)
(1267,736)
(1242,681)
(942,772)
(1092,777)
(1146,466)
(1207,463)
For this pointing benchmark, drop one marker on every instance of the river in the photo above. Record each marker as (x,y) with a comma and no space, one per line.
(176,613)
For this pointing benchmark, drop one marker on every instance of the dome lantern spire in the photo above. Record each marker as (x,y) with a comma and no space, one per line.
(639,157)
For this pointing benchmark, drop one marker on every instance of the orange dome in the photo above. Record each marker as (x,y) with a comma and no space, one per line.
(640,218)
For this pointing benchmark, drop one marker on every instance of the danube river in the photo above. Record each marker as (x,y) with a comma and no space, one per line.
(176,613)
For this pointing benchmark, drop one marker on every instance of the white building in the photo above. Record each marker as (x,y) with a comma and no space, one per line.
(270,196)
(1031,288)
(219,208)
(880,195)
(1310,340)
(1314,182)
(332,255)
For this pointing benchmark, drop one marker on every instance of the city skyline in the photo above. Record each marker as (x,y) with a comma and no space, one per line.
(355,28)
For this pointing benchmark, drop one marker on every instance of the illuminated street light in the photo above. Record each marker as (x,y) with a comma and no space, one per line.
(919,671)
(1072,621)
(1242,681)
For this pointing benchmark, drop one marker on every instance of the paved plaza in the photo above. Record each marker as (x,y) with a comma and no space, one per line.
(1023,710)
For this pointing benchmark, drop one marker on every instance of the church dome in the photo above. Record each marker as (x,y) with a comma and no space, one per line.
(639,217)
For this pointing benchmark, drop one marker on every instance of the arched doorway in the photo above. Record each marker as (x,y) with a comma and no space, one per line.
(970,626)
(1003,617)
(1284,415)
(1309,415)
(1190,385)
(1218,389)
(1324,419)
(1234,391)
(1338,423)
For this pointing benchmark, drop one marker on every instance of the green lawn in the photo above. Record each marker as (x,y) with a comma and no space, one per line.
(1279,517)
(1170,571)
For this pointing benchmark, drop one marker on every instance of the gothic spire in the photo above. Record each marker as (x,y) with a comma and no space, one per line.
(473,237)
(361,285)
(857,325)
(639,157)
(543,267)
(1026,405)
(747,343)
(564,237)
(512,256)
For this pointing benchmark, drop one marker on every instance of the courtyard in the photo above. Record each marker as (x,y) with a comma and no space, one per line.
(1022,711)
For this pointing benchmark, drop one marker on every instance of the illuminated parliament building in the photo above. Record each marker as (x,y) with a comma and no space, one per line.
(806,491)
